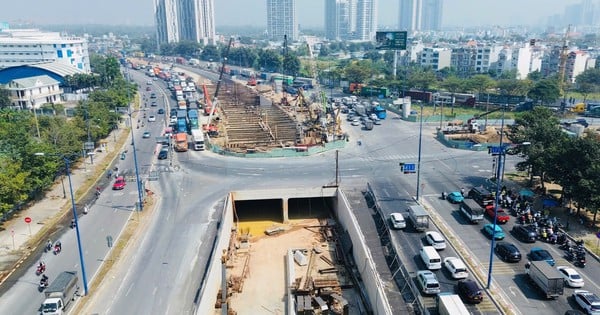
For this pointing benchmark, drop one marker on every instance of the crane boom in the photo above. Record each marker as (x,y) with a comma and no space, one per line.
(215,100)
(563,59)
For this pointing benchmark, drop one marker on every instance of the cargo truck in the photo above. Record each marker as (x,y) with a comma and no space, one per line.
(182,120)
(60,293)
(472,210)
(451,304)
(193,117)
(546,277)
(181,143)
(197,139)
(419,217)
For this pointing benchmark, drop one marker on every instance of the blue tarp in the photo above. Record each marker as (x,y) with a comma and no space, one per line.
(550,203)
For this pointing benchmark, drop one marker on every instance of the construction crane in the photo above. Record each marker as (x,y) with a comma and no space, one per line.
(216,95)
(562,67)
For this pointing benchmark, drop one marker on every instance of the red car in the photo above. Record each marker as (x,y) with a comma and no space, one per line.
(503,217)
(119,183)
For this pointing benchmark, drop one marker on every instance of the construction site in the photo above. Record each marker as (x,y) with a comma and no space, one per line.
(256,119)
(272,267)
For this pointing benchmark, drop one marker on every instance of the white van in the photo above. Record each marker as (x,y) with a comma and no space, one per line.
(431,258)
(397,220)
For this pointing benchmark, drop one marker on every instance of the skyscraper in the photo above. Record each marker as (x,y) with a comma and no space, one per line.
(281,19)
(366,19)
(337,19)
(418,15)
(410,15)
(192,20)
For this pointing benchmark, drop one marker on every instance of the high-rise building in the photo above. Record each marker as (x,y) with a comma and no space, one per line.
(410,15)
(337,19)
(281,20)
(431,15)
(420,15)
(177,20)
(366,19)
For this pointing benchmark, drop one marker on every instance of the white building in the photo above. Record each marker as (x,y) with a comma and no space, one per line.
(192,20)
(436,58)
(338,19)
(417,15)
(30,46)
(281,20)
(577,62)
(366,20)
(33,92)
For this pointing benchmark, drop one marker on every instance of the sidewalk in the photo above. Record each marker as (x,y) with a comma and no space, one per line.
(19,239)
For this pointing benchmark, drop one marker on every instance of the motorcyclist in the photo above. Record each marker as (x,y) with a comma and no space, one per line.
(73,223)
(58,247)
(49,244)
(44,281)
(42,266)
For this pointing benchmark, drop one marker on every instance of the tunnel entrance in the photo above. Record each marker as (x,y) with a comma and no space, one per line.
(259,210)
(303,208)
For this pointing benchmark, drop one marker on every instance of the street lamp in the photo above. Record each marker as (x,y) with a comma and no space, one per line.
(419,158)
(81,261)
(137,173)
(499,171)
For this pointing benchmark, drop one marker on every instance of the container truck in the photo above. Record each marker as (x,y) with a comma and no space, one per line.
(60,293)
(451,304)
(197,139)
(181,143)
(546,277)
(182,120)
(193,119)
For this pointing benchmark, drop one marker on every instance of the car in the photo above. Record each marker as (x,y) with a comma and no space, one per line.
(153,95)
(377,122)
(397,220)
(435,239)
(119,183)
(540,254)
(163,154)
(151,118)
(525,233)
(482,196)
(489,231)
(428,282)
(572,277)
(173,112)
(148,89)
(154,104)
(149,82)
(355,123)
(469,291)
(373,117)
(588,301)
(146,135)
(455,197)
(456,267)
(161,111)
(508,252)
(501,215)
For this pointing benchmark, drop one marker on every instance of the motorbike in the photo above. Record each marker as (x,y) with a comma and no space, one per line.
(57,249)
(580,261)
(43,284)
(73,224)
(48,248)
(40,269)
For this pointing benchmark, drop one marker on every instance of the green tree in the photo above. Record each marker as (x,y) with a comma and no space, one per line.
(588,82)
(4,98)
(291,65)
(540,128)
(187,48)
(324,51)
(513,86)
(422,79)
(270,60)
(358,71)
(479,83)
(209,53)
(373,55)
(535,76)
(545,91)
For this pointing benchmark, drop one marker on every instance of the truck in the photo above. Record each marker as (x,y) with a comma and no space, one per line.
(182,120)
(60,293)
(368,124)
(546,277)
(451,304)
(193,119)
(181,143)
(472,210)
(197,139)
(419,217)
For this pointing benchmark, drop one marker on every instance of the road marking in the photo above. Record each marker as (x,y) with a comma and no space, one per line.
(514,289)
(129,289)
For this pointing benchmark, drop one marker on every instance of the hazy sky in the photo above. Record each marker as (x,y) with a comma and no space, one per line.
(252,12)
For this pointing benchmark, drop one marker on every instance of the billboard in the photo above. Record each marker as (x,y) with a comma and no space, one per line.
(390,40)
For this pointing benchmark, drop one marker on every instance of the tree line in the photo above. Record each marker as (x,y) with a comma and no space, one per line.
(24,175)
(571,162)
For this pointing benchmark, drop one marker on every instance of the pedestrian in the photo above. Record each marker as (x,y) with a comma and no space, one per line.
(462,191)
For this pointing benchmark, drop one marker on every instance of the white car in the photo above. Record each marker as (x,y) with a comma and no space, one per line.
(435,239)
(397,220)
(151,118)
(572,277)
(355,123)
(589,301)
(456,267)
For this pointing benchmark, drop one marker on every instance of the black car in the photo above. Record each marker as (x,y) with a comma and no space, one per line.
(469,291)
(525,233)
(482,196)
(161,111)
(173,112)
(508,252)
(163,154)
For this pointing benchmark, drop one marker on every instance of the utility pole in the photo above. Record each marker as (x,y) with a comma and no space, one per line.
(337,168)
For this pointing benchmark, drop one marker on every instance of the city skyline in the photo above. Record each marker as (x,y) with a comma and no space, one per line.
(253,12)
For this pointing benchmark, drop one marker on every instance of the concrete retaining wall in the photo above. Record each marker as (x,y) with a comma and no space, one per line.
(362,257)
(212,283)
